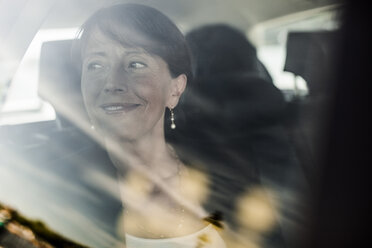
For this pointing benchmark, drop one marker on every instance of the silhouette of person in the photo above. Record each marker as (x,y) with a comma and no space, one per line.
(233,115)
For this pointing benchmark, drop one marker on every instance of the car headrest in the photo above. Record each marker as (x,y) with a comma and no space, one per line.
(59,83)
(310,55)
(230,105)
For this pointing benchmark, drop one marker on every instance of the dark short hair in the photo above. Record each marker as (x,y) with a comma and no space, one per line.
(136,25)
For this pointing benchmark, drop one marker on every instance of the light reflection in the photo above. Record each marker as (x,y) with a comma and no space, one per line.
(255,210)
(23,104)
(255,213)
(152,216)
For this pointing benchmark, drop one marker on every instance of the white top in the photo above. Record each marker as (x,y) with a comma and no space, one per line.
(207,237)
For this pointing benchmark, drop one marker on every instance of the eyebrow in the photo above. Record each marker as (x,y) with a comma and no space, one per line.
(103,54)
(92,54)
(134,52)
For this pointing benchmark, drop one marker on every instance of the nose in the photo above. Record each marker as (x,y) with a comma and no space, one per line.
(113,90)
(116,83)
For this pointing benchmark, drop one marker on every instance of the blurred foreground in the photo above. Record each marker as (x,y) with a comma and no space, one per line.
(18,231)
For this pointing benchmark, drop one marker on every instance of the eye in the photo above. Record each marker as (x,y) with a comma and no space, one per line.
(136,65)
(94,66)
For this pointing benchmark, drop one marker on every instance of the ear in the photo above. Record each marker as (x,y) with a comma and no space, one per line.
(178,86)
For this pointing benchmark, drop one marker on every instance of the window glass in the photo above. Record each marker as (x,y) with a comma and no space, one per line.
(270,39)
(239,144)
(23,104)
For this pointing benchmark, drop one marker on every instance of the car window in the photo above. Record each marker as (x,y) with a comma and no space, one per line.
(23,104)
(271,38)
(246,138)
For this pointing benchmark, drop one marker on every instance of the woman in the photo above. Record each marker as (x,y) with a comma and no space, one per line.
(135,65)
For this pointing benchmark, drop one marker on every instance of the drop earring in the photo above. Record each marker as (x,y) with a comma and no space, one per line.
(173,125)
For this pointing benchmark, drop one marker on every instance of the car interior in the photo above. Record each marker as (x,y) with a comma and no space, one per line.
(54,168)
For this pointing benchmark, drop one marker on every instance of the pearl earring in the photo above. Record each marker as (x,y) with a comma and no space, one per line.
(173,125)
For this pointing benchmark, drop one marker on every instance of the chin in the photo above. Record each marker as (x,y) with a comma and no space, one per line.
(119,133)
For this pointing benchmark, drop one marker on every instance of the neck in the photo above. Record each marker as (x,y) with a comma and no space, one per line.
(150,151)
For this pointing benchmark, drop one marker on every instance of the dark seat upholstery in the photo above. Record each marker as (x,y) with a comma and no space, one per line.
(310,55)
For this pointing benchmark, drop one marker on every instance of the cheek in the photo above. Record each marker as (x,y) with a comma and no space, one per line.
(90,90)
(154,90)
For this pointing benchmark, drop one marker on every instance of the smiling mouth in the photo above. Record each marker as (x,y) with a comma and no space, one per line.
(118,108)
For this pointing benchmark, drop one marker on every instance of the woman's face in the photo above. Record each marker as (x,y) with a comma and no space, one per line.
(126,90)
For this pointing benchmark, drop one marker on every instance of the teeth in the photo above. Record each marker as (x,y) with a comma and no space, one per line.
(113,108)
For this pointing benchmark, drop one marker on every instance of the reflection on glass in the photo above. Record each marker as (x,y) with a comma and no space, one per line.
(109,170)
